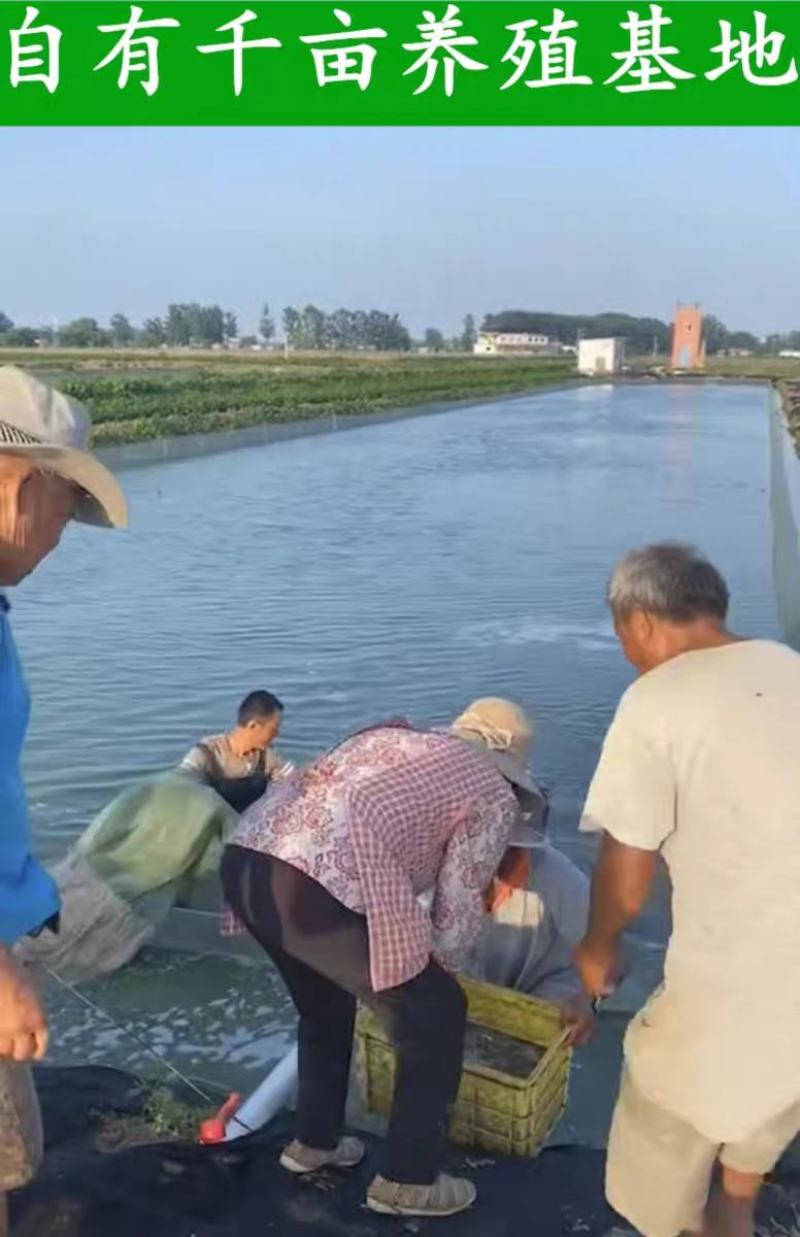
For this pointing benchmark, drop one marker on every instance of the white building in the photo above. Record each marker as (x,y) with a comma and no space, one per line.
(513,343)
(600,356)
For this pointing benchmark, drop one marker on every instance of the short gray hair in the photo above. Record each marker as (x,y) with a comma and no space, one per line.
(672,581)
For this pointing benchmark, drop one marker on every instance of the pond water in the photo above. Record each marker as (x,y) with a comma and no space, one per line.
(402,568)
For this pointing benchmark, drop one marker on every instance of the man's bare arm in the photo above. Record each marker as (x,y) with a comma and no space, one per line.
(620,885)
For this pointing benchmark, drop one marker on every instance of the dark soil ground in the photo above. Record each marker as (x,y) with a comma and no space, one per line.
(93,1186)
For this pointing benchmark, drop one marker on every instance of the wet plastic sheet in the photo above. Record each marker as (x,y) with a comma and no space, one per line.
(240,1190)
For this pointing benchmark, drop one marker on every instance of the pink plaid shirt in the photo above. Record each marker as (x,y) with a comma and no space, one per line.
(391,814)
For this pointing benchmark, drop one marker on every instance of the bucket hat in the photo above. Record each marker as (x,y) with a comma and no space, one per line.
(48,427)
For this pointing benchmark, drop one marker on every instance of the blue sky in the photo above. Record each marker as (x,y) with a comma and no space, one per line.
(432,223)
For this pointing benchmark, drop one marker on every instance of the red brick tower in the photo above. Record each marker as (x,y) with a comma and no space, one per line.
(688,345)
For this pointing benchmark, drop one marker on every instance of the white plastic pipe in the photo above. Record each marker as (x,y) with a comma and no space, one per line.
(274,1093)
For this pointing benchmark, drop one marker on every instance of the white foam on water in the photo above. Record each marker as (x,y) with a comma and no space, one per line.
(591,637)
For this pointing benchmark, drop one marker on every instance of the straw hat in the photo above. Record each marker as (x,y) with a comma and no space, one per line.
(43,425)
(503,733)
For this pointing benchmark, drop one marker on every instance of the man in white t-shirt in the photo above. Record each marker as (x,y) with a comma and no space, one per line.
(701,767)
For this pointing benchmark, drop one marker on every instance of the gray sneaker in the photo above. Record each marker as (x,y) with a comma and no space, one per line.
(446,1197)
(299,1159)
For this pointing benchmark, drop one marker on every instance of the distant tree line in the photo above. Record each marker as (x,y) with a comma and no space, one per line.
(353,330)
(183,325)
(344,330)
(434,339)
(192,325)
(644,335)
(720,339)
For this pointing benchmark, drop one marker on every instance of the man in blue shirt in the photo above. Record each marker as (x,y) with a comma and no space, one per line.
(47,478)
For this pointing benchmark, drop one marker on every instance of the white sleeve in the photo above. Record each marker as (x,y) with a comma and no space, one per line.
(633,794)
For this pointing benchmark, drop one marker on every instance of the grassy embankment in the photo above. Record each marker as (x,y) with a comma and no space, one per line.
(137,396)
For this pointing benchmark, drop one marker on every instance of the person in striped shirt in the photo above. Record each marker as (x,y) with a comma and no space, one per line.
(240,764)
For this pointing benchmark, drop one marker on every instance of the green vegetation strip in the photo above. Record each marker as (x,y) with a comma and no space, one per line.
(163,399)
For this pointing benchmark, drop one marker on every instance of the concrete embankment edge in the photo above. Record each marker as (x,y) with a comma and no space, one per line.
(191,446)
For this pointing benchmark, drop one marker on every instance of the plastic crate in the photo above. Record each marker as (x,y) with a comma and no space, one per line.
(494,1111)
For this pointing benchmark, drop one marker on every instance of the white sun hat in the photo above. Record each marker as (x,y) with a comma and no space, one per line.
(43,425)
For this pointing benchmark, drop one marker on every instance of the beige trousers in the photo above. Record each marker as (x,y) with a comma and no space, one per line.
(659,1168)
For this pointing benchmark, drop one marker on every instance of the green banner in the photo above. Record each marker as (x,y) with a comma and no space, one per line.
(406,62)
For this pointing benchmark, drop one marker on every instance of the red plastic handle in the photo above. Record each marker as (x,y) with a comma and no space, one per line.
(212,1130)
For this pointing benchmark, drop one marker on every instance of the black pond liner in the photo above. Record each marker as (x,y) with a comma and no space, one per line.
(239,1190)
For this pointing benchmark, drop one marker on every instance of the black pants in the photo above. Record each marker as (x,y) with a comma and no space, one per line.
(321,950)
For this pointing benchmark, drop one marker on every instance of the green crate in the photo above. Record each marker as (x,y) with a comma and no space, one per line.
(493,1112)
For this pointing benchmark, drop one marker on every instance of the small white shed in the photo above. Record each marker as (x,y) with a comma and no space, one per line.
(601,356)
